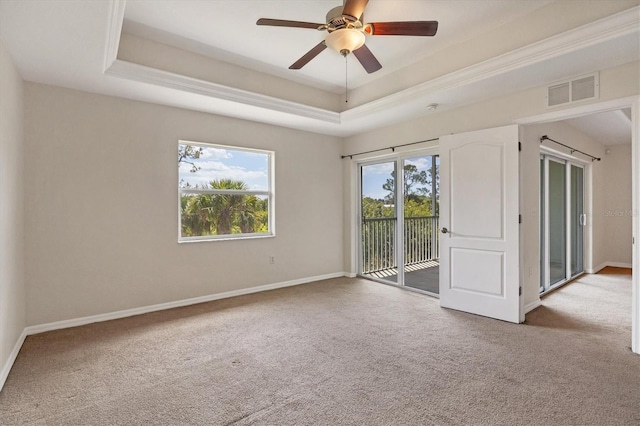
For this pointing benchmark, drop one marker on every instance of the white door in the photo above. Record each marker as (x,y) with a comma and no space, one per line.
(479,243)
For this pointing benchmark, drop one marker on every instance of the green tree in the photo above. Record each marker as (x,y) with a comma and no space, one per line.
(412,178)
(372,208)
(421,188)
(222,214)
(186,153)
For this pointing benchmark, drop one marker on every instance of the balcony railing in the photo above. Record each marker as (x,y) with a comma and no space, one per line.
(421,242)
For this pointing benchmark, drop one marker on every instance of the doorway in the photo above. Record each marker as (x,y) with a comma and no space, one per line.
(399,221)
(601,247)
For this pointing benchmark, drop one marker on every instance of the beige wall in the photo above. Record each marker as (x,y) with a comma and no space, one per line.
(167,58)
(617,215)
(12,287)
(102,214)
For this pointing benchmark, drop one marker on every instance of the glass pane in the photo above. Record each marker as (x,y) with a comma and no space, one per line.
(203,166)
(557,220)
(577,218)
(378,210)
(216,214)
(421,232)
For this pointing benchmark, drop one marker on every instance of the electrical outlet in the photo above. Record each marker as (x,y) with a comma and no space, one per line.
(272,259)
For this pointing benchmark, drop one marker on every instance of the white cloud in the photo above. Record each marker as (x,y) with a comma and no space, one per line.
(215,154)
(214,170)
(378,169)
(422,163)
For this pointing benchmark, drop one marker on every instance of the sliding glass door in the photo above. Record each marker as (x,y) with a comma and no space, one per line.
(562,221)
(379,221)
(399,233)
(557,202)
(579,218)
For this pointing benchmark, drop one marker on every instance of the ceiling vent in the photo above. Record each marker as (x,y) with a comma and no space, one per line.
(574,90)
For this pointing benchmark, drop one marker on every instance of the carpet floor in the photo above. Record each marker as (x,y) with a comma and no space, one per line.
(340,351)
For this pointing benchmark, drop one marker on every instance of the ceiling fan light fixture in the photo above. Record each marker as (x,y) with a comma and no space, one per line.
(345,40)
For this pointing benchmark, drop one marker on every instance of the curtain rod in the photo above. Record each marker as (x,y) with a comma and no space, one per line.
(392,148)
(547,138)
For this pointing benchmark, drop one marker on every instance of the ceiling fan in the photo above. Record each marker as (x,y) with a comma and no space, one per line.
(347,33)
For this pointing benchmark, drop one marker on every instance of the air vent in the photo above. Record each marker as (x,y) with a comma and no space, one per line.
(574,90)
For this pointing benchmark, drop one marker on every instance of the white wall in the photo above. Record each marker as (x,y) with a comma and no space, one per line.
(617,206)
(101,206)
(12,288)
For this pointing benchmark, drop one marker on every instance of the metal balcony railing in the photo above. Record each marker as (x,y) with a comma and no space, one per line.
(421,242)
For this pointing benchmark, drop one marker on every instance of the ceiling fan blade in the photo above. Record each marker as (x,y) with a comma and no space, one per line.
(285,23)
(308,56)
(354,8)
(366,58)
(407,28)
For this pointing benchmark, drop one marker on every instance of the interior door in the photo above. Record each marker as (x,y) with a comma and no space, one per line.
(479,241)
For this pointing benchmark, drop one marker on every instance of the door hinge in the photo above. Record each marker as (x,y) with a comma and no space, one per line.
(519,218)
(519,146)
(520,291)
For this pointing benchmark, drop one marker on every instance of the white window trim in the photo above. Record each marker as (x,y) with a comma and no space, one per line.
(270,194)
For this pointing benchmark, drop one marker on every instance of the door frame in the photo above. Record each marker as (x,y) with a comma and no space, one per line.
(398,157)
(632,102)
(396,247)
(549,155)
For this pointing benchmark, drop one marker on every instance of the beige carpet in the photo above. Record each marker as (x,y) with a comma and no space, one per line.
(342,351)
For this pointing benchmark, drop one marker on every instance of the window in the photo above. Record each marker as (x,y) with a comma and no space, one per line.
(224,192)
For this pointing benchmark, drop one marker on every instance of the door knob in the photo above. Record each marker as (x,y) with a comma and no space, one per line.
(444,230)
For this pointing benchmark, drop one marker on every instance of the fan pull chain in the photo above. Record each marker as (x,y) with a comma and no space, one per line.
(346,75)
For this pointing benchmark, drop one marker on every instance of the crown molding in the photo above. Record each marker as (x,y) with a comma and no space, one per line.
(608,28)
(144,74)
(114,29)
(579,111)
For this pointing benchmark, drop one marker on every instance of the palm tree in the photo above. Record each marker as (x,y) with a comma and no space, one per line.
(232,212)
(222,214)
(196,220)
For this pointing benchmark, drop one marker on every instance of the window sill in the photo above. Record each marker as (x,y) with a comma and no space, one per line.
(226,238)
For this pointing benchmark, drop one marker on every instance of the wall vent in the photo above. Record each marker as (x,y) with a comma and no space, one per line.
(573,90)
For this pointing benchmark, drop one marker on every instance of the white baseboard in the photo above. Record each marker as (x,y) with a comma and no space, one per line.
(350,274)
(605,264)
(12,358)
(531,306)
(596,269)
(620,265)
(35,329)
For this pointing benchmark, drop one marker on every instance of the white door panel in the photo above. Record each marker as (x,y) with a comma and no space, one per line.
(479,258)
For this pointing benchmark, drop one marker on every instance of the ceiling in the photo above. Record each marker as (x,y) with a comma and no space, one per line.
(609,128)
(77,44)
(228,29)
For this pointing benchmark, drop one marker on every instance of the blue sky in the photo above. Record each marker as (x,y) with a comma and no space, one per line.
(217,163)
(375,175)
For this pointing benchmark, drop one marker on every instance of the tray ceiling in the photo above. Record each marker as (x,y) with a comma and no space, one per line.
(74,44)
(227,30)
